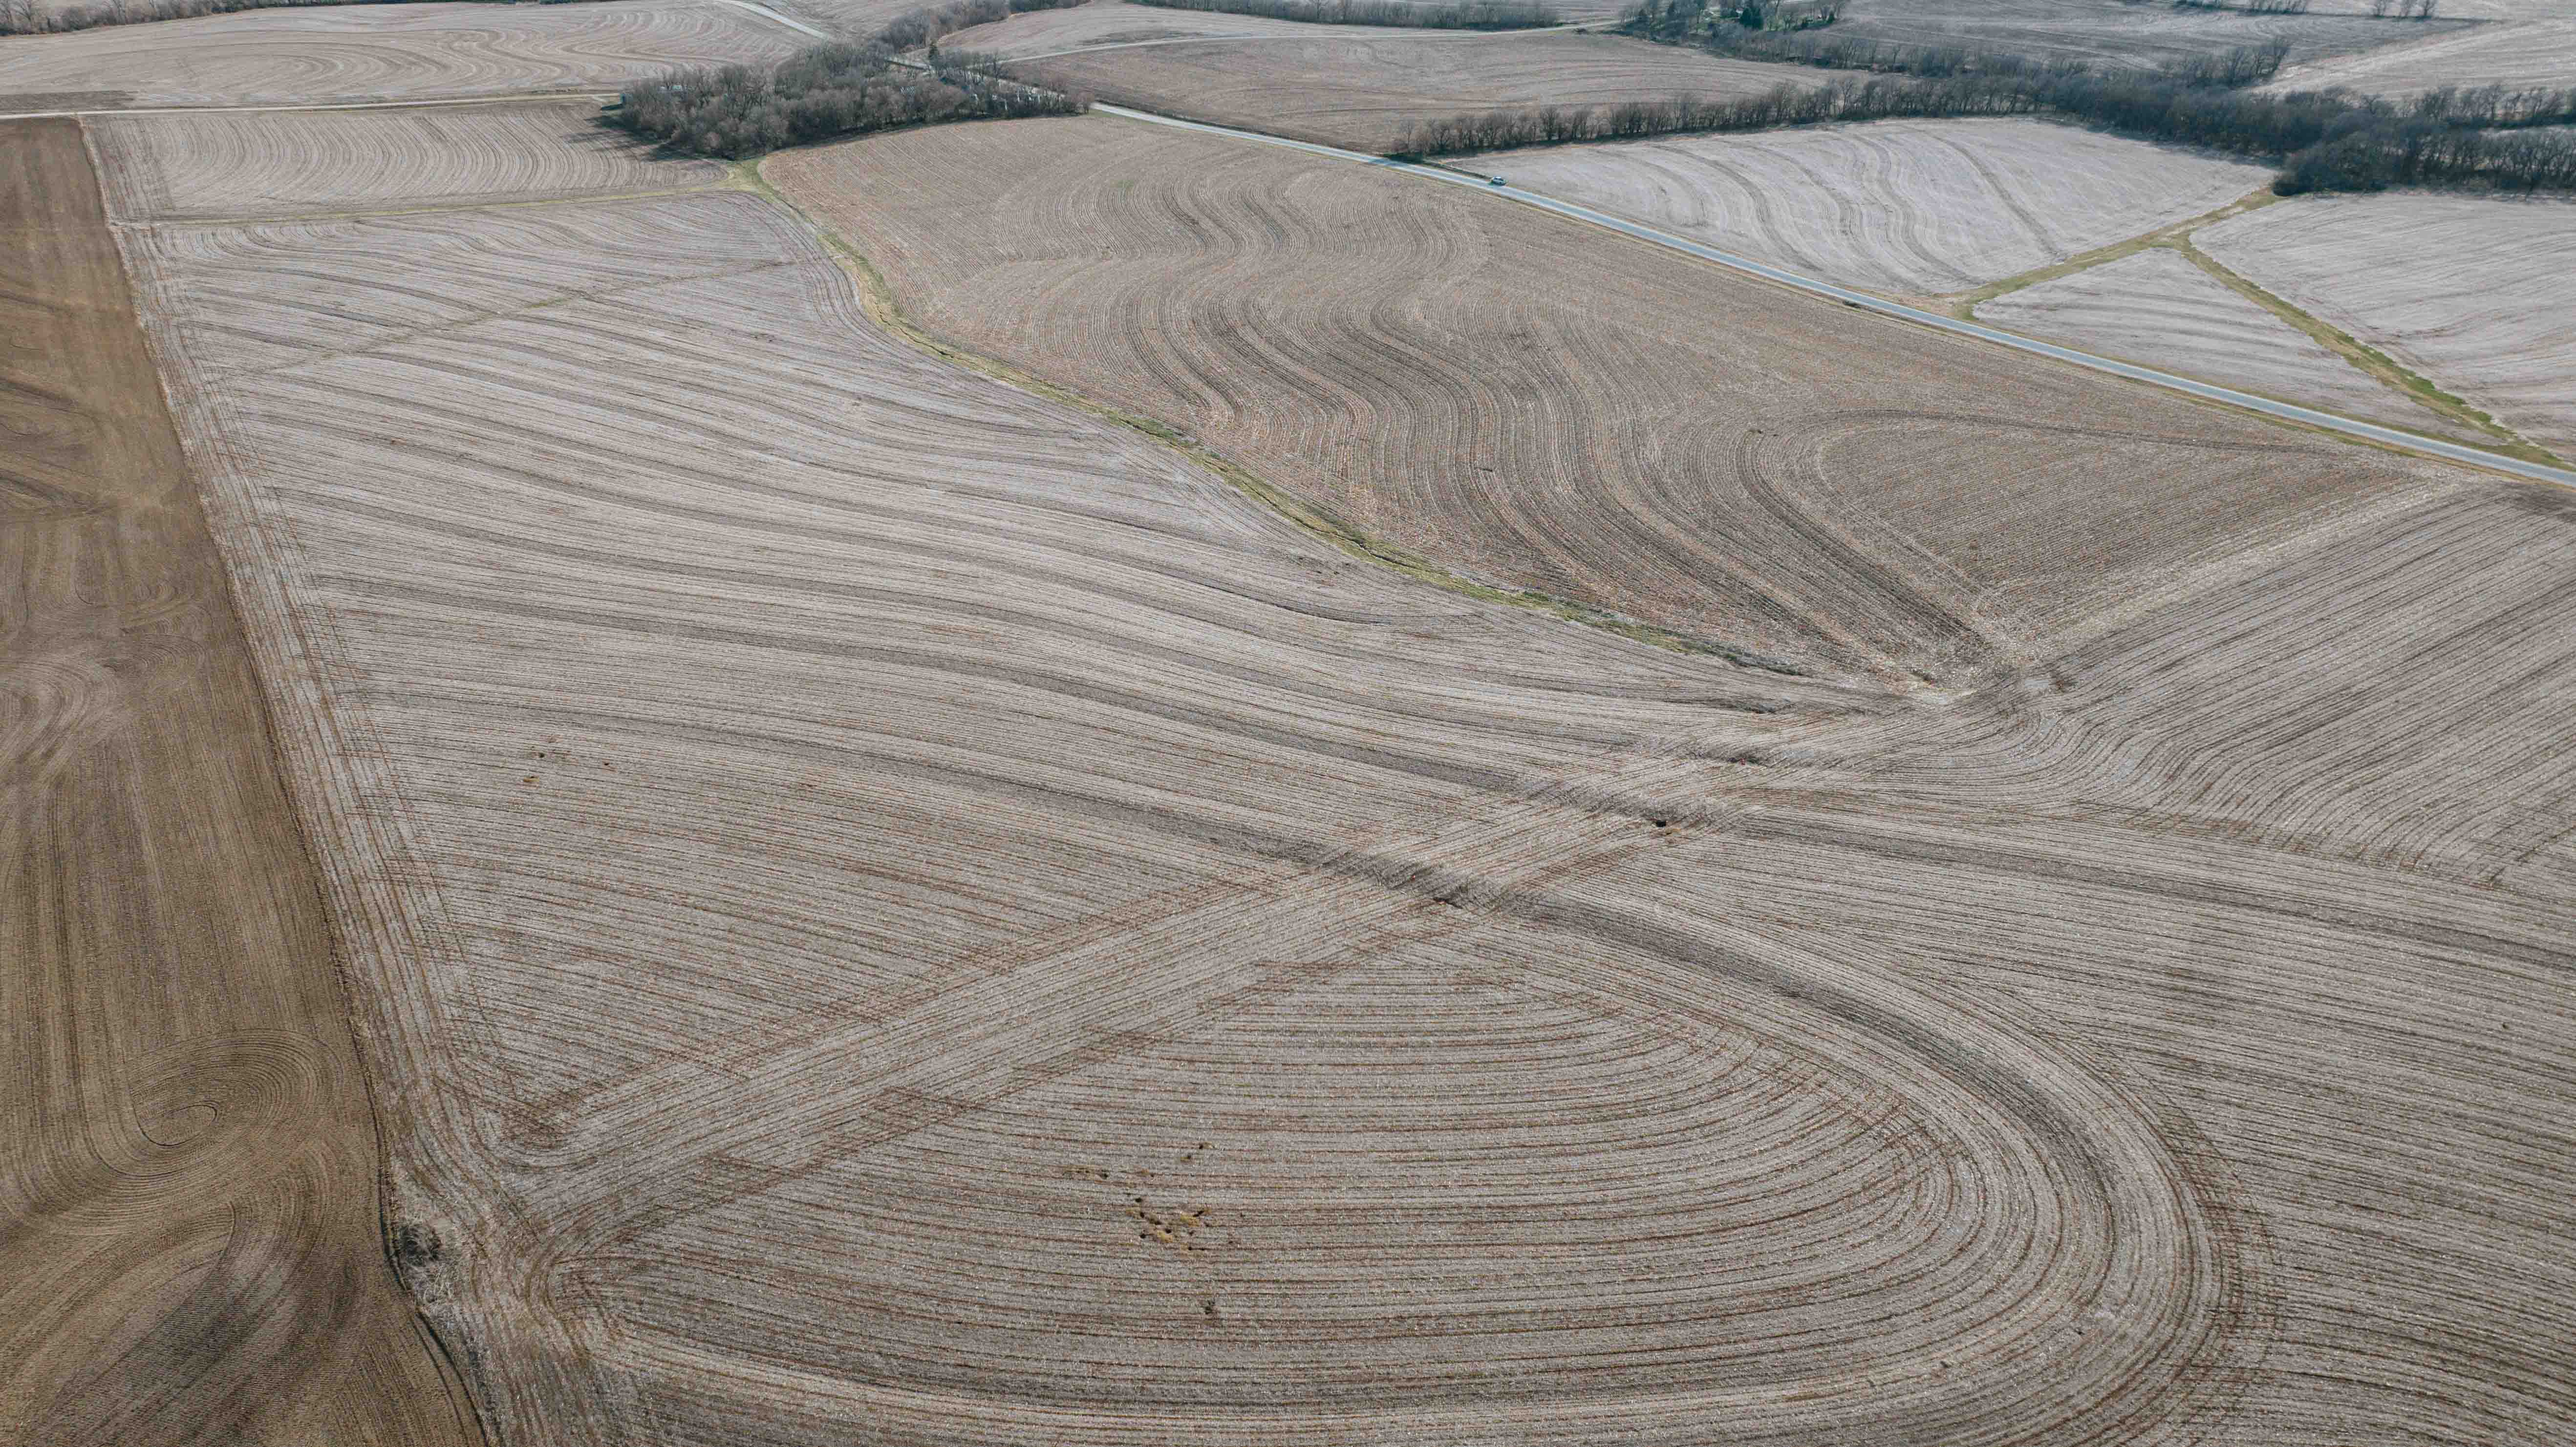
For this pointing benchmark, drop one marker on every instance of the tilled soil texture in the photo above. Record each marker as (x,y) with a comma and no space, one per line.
(2122,32)
(2532,50)
(893,906)
(389,52)
(2157,308)
(1036,33)
(189,1247)
(1362,91)
(1530,400)
(285,163)
(2474,292)
(1917,208)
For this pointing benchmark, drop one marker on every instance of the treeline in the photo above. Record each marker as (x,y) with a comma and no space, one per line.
(27,17)
(2417,152)
(1471,15)
(825,91)
(2330,140)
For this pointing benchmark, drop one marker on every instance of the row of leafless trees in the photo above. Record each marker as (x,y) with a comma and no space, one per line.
(1878,98)
(2419,152)
(28,17)
(838,90)
(1418,14)
(2250,7)
(2403,9)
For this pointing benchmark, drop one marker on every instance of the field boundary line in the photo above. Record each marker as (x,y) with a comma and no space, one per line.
(2363,357)
(2371,362)
(877,300)
(2291,413)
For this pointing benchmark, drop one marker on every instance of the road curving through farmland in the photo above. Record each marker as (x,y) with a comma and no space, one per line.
(1864,301)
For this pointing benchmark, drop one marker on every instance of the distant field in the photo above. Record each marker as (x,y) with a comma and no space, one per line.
(2118,31)
(2473,292)
(2519,54)
(383,52)
(2157,308)
(1920,207)
(1038,33)
(1498,389)
(1360,91)
(281,163)
(853,19)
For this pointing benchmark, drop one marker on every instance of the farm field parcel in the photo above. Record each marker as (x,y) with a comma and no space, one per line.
(378,52)
(1920,207)
(1497,389)
(1089,782)
(186,1156)
(1362,91)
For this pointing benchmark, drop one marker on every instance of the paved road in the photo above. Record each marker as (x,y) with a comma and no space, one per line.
(793,24)
(2427,446)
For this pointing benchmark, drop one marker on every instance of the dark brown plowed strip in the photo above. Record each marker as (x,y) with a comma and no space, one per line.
(189,1245)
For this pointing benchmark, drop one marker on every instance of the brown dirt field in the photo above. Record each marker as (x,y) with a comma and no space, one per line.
(281,163)
(2519,54)
(1362,91)
(1531,402)
(2488,322)
(388,52)
(1036,34)
(2123,32)
(886,900)
(189,1247)
(1919,208)
(2155,307)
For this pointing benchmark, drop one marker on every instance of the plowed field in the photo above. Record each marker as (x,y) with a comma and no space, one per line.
(1919,207)
(2159,309)
(2519,54)
(383,52)
(2122,32)
(284,162)
(1424,366)
(1038,33)
(883,899)
(2474,292)
(1361,91)
(1110,23)
(189,1248)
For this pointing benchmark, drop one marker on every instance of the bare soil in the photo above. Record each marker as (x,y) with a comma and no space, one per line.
(388,52)
(191,1249)
(1527,401)
(2487,321)
(886,898)
(2159,309)
(2532,50)
(2122,32)
(1918,208)
(1360,91)
(283,163)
